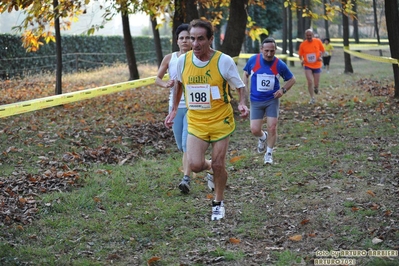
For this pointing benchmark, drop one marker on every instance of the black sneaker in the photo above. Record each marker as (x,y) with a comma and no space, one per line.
(184,185)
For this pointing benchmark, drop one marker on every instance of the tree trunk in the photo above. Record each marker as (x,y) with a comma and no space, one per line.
(355,24)
(285,29)
(202,11)
(347,57)
(290,43)
(191,10)
(131,58)
(326,21)
(392,21)
(307,21)
(217,41)
(376,24)
(300,29)
(58,75)
(303,22)
(235,31)
(249,44)
(185,11)
(178,19)
(157,40)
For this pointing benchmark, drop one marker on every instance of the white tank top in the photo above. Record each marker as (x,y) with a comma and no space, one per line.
(172,69)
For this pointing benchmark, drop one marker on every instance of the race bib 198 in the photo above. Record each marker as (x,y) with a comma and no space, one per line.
(198,96)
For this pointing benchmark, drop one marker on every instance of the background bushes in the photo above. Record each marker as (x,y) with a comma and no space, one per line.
(79,53)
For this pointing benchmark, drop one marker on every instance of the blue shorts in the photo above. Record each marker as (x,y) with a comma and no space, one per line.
(268,108)
(314,70)
(180,129)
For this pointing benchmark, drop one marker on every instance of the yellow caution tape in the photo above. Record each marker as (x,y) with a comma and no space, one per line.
(371,43)
(293,58)
(381,59)
(245,56)
(352,40)
(337,44)
(358,47)
(46,102)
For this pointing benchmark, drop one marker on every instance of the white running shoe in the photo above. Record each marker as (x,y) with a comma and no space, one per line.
(268,158)
(209,178)
(217,211)
(262,144)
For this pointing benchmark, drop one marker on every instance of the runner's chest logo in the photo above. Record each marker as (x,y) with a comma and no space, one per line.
(200,78)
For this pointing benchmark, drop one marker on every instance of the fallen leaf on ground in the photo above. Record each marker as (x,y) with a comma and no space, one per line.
(236,159)
(371,193)
(153,259)
(234,240)
(295,238)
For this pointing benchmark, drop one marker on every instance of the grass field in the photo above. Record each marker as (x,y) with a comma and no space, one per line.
(95,182)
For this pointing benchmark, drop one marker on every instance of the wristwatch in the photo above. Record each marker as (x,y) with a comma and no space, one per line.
(284,90)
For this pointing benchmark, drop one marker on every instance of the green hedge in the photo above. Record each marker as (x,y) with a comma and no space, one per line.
(79,53)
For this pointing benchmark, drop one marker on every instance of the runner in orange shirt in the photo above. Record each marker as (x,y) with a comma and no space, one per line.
(310,53)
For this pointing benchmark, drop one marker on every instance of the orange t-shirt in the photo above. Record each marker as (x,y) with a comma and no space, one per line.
(311,53)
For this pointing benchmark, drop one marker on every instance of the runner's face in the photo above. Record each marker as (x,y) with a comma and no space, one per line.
(309,36)
(268,50)
(184,40)
(199,42)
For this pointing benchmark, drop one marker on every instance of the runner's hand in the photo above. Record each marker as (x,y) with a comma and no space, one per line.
(169,119)
(243,110)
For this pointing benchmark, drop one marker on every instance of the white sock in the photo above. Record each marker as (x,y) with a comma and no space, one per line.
(263,137)
(269,150)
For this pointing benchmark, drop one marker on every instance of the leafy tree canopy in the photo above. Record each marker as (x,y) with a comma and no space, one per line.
(39,21)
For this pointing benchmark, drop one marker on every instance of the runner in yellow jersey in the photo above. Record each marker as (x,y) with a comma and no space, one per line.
(327,53)
(205,76)
(206,91)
